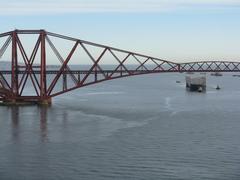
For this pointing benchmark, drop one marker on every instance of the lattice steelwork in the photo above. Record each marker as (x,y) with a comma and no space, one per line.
(213,66)
(35,70)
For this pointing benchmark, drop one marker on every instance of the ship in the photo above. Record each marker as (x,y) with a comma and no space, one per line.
(197,84)
(216,74)
(218,88)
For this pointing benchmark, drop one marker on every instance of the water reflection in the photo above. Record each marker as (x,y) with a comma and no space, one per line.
(64,118)
(43,122)
(15,121)
(19,114)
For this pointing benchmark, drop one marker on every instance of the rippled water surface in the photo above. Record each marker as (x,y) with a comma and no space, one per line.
(144,127)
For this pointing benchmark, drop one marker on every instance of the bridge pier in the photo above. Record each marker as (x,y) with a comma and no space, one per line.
(47,101)
(27,101)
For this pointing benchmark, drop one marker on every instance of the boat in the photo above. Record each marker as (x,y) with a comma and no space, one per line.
(197,84)
(218,88)
(200,89)
(216,74)
(178,81)
(236,75)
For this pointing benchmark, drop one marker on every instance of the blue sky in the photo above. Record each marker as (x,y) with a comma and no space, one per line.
(177,30)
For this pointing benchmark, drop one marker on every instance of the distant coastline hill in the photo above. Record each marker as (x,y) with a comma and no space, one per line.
(5,65)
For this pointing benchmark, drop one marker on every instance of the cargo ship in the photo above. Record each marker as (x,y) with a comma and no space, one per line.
(197,84)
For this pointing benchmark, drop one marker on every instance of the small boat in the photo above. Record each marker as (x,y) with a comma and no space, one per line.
(218,88)
(178,81)
(236,75)
(200,89)
(216,74)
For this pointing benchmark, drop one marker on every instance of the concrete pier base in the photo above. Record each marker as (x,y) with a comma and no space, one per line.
(25,102)
(45,102)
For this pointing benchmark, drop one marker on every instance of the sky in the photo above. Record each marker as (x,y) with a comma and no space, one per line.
(176,30)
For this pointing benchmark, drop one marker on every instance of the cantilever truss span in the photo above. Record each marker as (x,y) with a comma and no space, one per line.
(55,64)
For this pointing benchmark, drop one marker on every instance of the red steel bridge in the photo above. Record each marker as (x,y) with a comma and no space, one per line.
(77,63)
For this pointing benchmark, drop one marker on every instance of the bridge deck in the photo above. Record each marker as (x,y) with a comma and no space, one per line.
(113,71)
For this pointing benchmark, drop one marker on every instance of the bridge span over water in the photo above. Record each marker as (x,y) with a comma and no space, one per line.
(31,66)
